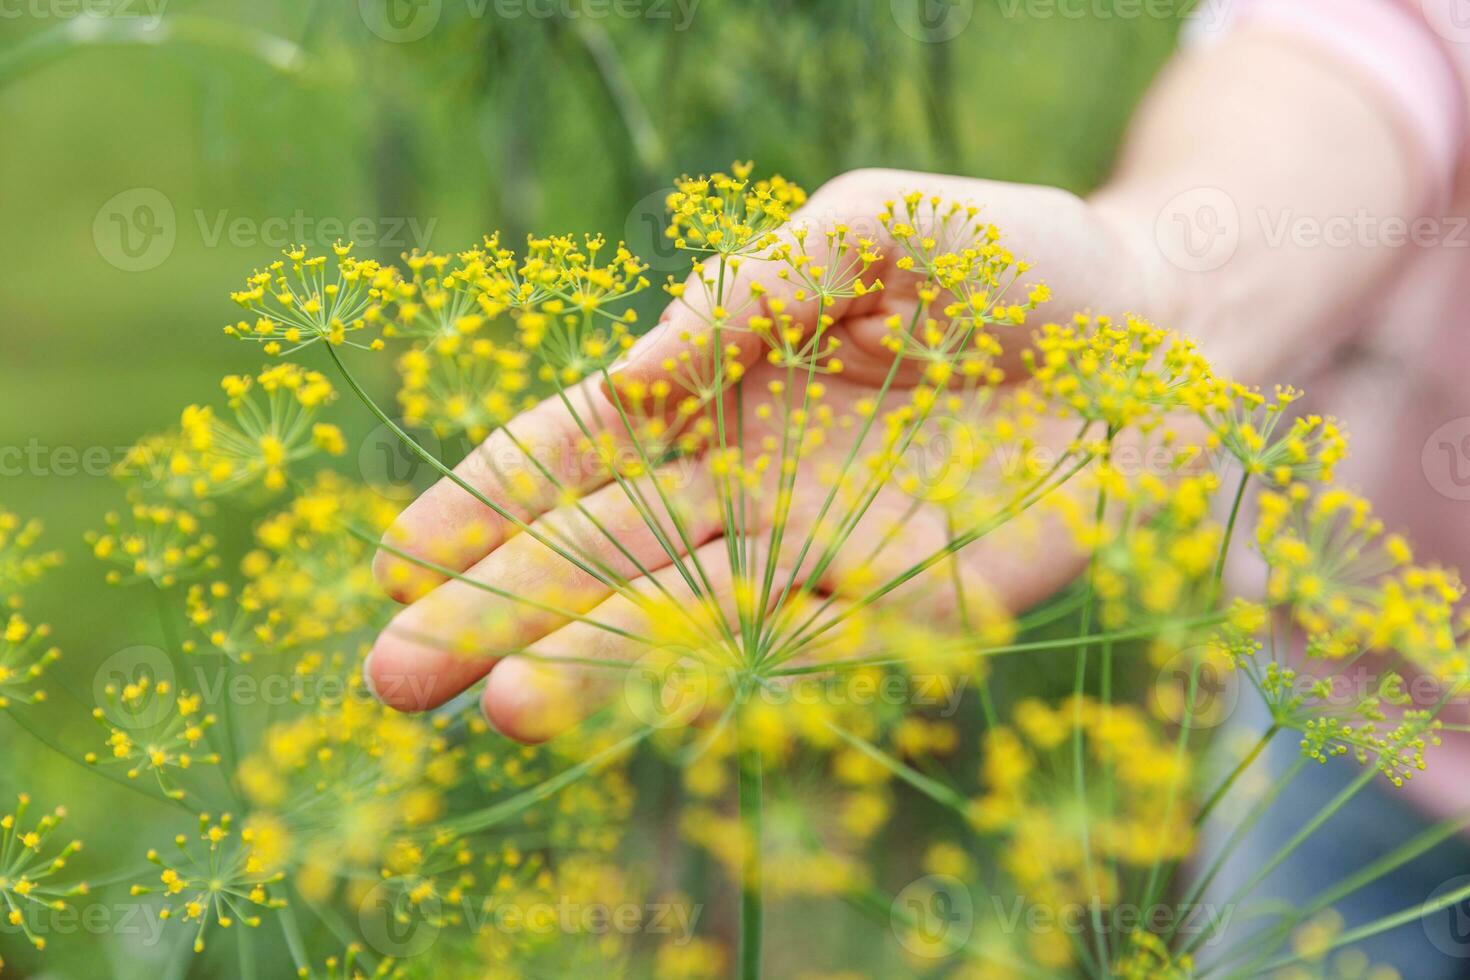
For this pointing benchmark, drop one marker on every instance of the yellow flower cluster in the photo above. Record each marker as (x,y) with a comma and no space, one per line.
(1246,425)
(20,563)
(729,214)
(24,657)
(1124,375)
(466,389)
(309,579)
(221,884)
(1354,588)
(1060,859)
(345,778)
(153,728)
(298,302)
(274,426)
(27,873)
(154,543)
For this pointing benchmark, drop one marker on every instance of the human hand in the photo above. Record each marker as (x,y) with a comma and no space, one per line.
(454,632)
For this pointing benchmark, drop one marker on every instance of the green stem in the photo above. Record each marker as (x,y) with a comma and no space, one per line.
(1181,746)
(292,931)
(1415,847)
(930,787)
(1242,830)
(801,639)
(751,901)
(1229,533)
(1235,774)
(987,703)
(1079,759)
(246,950)
(1303,833)
(1372,929)
(1311,827)
(230,742)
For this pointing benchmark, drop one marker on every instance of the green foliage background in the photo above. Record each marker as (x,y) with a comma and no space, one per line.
(256,109)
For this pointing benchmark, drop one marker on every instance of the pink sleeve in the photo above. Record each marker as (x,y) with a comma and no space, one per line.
(1416,53)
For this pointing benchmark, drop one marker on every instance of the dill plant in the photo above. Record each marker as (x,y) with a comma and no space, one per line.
(714,555)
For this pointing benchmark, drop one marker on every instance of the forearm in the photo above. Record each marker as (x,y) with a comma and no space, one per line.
(1245,158)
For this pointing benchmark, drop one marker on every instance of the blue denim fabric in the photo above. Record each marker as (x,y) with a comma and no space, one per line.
(1373,824)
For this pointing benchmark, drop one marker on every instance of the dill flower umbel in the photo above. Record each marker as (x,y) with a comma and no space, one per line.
(298,302)
(344,779)
(24,657)
(27,873)
(729,214)
(1247,426)
(308,578)
(157,543)
(467,389)
(20,563)
(274,427)
(1125,375)
(1352,586)
(221,884)
(153,729)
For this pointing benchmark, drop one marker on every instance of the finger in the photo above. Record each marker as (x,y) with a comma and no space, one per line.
(538,696)
(445,642)
(524,468)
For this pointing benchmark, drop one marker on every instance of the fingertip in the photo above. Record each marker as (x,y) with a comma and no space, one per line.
(530,702)
(414,677)
(402,580)
(385,675)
